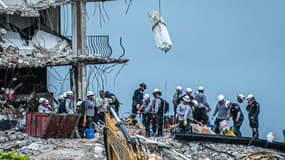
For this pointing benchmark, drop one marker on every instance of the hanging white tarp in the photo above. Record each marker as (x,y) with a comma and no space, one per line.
(160,32)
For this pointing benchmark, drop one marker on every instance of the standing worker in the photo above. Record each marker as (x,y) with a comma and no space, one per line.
(237,115)
(182,112)
(147,113)
(101,105)
(158,108)
(176,98)
(222,111)
(69,103)
(43,106)
(203,105)
(137,99)
(89,108)
(113,101)
(253,109)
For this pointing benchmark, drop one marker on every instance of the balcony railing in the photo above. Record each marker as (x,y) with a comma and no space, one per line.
(98,45)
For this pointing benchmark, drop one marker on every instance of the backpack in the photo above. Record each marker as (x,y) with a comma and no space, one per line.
(164,104)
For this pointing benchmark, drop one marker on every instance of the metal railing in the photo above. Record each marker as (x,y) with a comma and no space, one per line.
(97,45)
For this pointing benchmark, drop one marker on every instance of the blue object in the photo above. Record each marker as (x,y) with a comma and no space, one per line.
(284,133)
(211,126)
(89,133)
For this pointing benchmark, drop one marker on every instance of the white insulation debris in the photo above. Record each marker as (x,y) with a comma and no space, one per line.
(160,32)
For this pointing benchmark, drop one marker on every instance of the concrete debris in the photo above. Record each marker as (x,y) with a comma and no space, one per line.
(42,49)
(28,8)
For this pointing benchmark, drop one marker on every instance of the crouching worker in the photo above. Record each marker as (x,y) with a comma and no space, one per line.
(237,116)
(182,112)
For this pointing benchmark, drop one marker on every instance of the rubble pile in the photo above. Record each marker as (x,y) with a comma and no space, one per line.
(217,151)
(44,48)
(37,148)
(29,8)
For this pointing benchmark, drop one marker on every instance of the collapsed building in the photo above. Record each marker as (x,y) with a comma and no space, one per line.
(31,42)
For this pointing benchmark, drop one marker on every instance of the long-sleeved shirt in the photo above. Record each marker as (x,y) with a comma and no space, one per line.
(176,99)
(156,104)
(222,111)
(43,109)
(89,107)
(102,104)
(182,111)
(147,107)
(253,109)
(236,112)
(69,106)
(202,99)
(189,113)
(138,97)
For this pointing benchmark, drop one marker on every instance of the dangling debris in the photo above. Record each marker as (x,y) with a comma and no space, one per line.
(160,32)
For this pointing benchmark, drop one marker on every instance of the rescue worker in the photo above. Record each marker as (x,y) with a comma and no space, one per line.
(102,104)
(240,98)
(182,112)
(237,116)
(189,93)
(176,98)
(137,99)
(80,128)
(61,105)
(158,109)
(43,106)
(147,113)
(222,111)
(69,103)
(89,108)
(203,106)
(190,110)
(253,109)
(113,101)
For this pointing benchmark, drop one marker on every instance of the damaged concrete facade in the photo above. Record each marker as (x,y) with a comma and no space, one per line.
(30,41)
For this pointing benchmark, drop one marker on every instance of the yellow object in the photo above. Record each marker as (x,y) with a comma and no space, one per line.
(229,132)
(117,144)
(185,123)
(84,120)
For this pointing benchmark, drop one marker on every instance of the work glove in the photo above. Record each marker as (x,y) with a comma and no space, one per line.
(237,120)
(185,123)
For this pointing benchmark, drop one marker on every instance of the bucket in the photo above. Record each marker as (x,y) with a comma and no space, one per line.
(89,133)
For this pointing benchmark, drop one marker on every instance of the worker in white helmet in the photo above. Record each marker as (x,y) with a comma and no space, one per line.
(236,114)
(176,98)
(253,109)
(204,107)
(61,104)
(182,112)
(146,108)
(102,104)
(43,106)
(158,110)
(222,111)
(138,99)
(69,103)
(90,108)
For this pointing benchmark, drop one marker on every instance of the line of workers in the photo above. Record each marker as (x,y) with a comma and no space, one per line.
(92,109)
(192,108)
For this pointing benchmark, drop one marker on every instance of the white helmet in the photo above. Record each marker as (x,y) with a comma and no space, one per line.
(221,97)
(195,102)
(69,93)
(186,98)
(250,96)
(179,88)
(78,103)
(200,88)
(46,101)
(228,102)
(42,100)
(61,97)
(156,90)
(90,93)
(241,96)
(146,97)
(64,95)
(188,90)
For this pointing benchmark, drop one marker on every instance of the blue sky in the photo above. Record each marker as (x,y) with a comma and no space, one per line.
(228,46)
